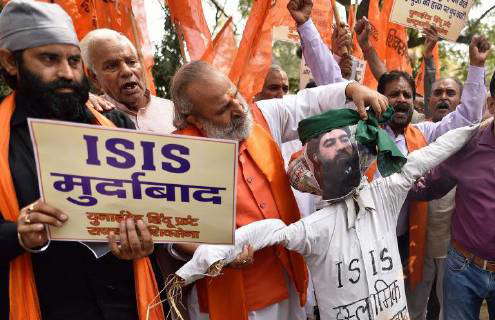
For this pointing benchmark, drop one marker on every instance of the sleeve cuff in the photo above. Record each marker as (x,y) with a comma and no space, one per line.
(307,31)
(476,74)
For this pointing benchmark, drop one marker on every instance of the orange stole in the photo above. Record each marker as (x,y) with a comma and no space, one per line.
(223,294)
(418,215)
(23,300)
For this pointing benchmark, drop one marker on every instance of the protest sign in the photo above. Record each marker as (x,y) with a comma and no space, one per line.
(448,16)
(182,187)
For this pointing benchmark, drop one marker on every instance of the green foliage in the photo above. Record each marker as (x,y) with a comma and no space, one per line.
(288,56)
(168,58)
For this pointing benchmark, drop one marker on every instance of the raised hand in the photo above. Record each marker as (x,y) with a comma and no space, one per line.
(300,10)
(341,40)
(431,39)
(479,49)
(363,29)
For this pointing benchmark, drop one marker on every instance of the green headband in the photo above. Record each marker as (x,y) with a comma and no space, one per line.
(368,132)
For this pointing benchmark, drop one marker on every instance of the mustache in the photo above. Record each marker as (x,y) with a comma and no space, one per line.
(442,105)
(402,107)
(63,84)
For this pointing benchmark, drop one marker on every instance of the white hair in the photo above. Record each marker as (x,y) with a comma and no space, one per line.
(95,37)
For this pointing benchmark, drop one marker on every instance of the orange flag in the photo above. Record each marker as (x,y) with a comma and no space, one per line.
(224,49)
(397,57)
(420,85)
(255,50)
(191,25)
(377,40)
(125,16)
(351,21)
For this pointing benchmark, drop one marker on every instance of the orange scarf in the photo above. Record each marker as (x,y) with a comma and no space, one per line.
(224,294)
(418,215)
(22,287)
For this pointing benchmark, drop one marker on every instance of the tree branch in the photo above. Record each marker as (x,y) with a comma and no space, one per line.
(219,7)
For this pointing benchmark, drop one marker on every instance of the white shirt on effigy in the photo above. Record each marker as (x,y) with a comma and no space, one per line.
(353,256)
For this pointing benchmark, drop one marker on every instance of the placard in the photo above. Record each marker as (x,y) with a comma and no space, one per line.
(448,16)
(182,187)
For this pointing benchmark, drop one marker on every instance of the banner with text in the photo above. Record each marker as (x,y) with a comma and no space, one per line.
(182,187)
(448,16)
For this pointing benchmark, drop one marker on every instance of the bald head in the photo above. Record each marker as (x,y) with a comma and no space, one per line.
(276,84)
(445,96)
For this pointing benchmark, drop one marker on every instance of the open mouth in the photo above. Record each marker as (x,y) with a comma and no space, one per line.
(130,87)
(442,106)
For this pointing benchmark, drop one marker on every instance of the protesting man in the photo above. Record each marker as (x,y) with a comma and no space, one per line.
(267,288)
(470,264)
(320,60)
(114,67)
(41,62)
(445,96)
(399,88)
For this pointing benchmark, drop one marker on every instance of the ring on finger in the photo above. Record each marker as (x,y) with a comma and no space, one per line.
(30,208)
(26,219)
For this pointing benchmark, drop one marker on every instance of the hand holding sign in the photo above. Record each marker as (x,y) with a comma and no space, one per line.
(135,240)
(478,51)
(300,10)
(31,221)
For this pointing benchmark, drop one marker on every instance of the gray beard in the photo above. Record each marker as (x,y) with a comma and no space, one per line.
(239,129)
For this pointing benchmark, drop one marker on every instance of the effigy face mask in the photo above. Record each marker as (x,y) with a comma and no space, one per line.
(331,164)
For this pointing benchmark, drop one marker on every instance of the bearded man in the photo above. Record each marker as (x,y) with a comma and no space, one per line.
(41,61)
(399,88)
(208,104)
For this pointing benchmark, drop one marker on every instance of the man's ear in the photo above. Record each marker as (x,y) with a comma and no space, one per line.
(94,79)
(192,119)
(7,62)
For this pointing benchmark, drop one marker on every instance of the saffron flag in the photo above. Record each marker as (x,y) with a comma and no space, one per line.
(255,50)
(191,26)
(125,16)
(224,49)
(377,40)
(397,57)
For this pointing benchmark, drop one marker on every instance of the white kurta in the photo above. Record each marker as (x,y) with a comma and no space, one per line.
(283,116)
(350,247)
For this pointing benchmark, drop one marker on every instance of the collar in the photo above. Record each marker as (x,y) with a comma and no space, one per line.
(487,137)
(364,201)
(122,107)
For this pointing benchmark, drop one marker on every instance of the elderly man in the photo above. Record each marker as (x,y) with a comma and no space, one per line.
(114,67)
(265,289)
(276,84)
(41,62)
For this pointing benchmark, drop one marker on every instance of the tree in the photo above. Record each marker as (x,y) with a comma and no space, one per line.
(168,57)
